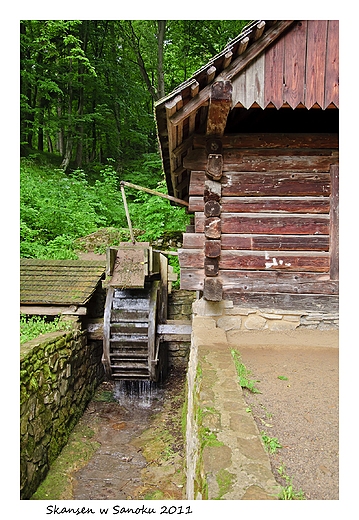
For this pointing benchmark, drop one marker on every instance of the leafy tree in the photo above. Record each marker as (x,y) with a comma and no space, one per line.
(88,86)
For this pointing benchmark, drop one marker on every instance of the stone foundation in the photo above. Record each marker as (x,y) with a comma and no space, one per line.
(230,317)
(180,308)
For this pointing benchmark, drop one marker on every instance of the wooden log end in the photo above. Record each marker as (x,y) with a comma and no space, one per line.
(212,289)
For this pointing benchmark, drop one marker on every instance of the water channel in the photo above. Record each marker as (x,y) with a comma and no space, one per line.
(131,443)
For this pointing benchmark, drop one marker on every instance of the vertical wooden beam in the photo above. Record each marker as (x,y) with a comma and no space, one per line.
(334,223)
(332,65)
(219,106)
(295,43)
(316,57)
(274,74)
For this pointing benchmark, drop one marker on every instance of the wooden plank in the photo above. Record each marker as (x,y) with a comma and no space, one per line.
(277,184)
(274,140)
(255,260)
(248,87)
(175,327)
(334,224)
(285,224)
(266,204)
(332,65)
(279,282)
(294,64)
(316,60)
(130,267)
(265,282)
(193,258)
(53,310)
(275,260)
(242,161)
(295,302)
(261,242)
(193,240)
(273,74)
(276,242)
(192,279)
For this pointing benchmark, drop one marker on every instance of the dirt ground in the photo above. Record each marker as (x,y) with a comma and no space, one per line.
(299,407)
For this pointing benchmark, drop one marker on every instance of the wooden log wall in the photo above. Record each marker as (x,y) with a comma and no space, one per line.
(266,226)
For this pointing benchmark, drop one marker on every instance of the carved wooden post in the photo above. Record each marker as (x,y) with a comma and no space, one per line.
(219,106)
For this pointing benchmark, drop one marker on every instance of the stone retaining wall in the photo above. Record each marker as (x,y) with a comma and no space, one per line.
(179,308)
(230,317)
(58,375)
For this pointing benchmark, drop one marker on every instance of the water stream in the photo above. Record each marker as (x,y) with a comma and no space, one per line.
(115,470)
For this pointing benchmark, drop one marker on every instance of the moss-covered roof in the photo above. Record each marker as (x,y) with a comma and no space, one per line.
(58,282)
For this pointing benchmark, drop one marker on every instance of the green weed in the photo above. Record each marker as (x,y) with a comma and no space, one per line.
(271,443)
(287,491)
(243,373)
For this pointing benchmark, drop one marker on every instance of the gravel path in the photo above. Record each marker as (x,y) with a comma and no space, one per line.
(299,406)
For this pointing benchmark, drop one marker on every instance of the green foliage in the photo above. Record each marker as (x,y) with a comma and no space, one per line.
(88,86)
(56,209)
(271,443)
(243,373)
(155,215)
(31,327)
(287,491)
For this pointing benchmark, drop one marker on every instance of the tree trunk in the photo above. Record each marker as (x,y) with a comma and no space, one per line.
(40,131)
(67,156)
(60,135)
(160,72)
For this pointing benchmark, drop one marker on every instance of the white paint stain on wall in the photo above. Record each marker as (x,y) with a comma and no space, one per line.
(273,263)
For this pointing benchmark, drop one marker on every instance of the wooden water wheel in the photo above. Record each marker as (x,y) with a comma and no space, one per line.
(136,303)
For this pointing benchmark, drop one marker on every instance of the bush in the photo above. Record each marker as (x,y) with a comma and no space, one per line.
(56,208)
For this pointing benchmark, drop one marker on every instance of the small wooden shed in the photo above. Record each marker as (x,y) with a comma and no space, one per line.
(54,287)
(251,142)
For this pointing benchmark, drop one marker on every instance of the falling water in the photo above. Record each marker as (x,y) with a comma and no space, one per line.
(142,394)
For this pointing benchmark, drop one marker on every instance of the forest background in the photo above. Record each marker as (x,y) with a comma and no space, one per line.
(87,94)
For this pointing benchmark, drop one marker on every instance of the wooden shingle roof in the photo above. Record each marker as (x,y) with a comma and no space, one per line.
(58,282)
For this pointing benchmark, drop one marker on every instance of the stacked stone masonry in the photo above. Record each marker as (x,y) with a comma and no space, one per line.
(231,318)
(58,375)
(179,308)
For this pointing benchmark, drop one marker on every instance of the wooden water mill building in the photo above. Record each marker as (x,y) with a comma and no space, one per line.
(251,142)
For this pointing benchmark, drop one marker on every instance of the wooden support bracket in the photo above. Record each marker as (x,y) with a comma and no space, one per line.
(219,107)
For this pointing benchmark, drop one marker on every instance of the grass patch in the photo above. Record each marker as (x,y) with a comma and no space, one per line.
(33,326)
(243,374)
